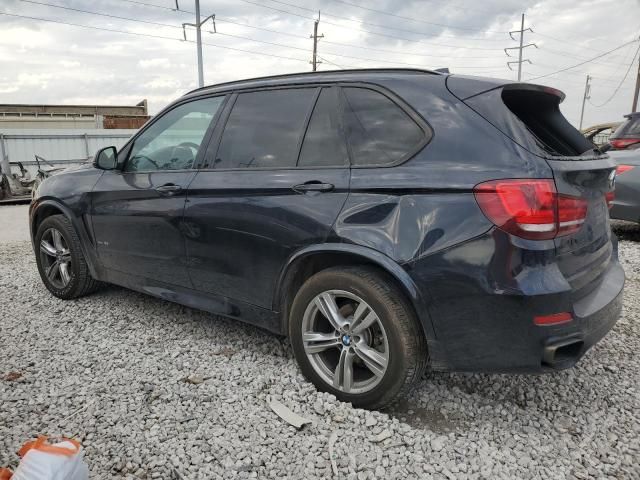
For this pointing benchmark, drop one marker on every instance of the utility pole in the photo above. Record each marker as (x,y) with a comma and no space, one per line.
(520,48)
(198,26)
(585,97)
(314,61)
(634,107)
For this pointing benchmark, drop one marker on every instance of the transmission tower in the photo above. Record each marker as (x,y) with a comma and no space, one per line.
(520,61)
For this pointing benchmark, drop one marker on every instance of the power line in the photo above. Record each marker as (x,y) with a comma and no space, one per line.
(278,32)
(277,44)
(136,2)
(617,89)
(333,63)
(444,25)
(585,62)
(101,14)
(254,40)
(382,50)
(112,30)
(393,62)
(149,35)
(614,74)
(574,73)
(577,57)
(396,37)
(293,35)
(448,5)
(281,45)
(566,42)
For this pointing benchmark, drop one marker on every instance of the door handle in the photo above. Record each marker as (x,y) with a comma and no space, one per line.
(313,186)
(169,189)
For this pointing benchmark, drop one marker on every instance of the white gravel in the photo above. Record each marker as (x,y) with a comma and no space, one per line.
(110,370)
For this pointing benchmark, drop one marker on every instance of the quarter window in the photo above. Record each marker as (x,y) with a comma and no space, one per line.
(264,129)
(379,131)
(172,142)
(324,143)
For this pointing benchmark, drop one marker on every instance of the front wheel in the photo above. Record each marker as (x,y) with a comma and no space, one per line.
(355,336)
(62,266)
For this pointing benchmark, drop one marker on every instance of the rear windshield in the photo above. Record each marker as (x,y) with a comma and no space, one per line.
(629,128)
(540,113)
(531,117)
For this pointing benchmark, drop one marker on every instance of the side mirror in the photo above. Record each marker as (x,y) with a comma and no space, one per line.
(106,158)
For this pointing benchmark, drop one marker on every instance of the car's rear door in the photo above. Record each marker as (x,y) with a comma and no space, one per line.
(137,210)
(265,190)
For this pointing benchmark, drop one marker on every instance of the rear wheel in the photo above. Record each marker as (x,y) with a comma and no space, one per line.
(354,335)
(62,266)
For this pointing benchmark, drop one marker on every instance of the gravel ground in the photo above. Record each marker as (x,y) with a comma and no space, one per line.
(111,370)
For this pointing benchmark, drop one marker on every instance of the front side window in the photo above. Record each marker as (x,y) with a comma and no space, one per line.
(379,131)
(173,141)
(264,129)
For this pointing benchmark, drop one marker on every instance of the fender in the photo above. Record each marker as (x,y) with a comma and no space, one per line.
(415,296)
(77,223)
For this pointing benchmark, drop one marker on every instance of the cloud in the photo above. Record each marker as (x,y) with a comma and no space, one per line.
(163,63)
(53,63)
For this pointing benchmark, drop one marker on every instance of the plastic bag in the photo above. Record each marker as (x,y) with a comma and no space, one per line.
(43,461)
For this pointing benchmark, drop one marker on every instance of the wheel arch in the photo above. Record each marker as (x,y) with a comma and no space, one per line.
(43,209)
(312,259)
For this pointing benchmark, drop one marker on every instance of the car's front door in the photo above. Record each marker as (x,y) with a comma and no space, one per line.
(268,191)
(137,210)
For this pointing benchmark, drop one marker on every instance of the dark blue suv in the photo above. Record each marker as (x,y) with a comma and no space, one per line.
(385,220)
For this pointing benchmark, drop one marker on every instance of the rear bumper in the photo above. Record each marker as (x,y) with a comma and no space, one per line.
(480,327)
(593,315)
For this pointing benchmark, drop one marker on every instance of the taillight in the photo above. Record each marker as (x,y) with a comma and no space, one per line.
(572,212)
(622,143)
(530,208)
(623,168)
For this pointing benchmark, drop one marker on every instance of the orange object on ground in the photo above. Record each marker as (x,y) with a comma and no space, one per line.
(42,445)
(41,460)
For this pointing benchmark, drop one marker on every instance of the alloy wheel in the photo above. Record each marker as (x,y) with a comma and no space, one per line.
(345,341)
(56,258)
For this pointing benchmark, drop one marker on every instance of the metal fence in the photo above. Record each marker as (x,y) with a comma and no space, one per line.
(60,147)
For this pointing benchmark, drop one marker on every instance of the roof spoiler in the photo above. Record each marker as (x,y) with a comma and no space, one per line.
(536,88)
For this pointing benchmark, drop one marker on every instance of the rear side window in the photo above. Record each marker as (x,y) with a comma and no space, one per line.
(324,143)
(264,129)
(379,131)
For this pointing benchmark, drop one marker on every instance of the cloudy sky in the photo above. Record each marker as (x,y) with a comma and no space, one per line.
(134,49)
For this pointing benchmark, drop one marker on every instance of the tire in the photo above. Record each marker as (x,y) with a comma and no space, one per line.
(400,356)
(78,280)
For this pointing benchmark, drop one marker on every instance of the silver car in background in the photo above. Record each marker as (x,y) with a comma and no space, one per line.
(626,202)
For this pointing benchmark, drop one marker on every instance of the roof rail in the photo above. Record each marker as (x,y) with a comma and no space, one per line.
(288,75)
